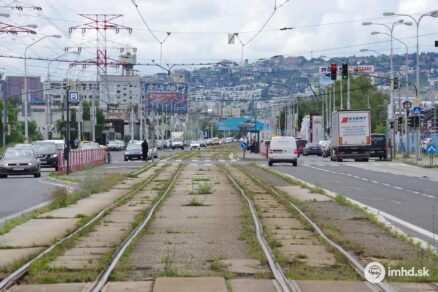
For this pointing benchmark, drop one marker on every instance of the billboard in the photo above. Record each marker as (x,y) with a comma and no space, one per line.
(166,97)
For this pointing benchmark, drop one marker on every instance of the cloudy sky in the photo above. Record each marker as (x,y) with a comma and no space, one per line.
(199,30)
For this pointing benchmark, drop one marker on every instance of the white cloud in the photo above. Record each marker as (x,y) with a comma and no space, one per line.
(199,29)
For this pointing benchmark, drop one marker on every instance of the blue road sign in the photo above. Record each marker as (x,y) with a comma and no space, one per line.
(416,110)
(243,145)
(431,149)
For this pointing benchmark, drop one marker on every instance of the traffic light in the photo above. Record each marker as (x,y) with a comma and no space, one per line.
(344,71)
(333,71)
(410,121)
(400,124)
(396,83)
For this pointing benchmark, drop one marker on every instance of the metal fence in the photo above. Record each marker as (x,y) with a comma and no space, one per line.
(81,158)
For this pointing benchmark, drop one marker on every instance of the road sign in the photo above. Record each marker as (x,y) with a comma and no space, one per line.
(416,110)
(417,101)
(407,104)
(244,145)
(431,149)
(73,97)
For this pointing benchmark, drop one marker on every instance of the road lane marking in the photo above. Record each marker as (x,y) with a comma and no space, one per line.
(386,216)
(373,181)
(397,202)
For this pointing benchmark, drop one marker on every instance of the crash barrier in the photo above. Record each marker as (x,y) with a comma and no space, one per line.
(81,158)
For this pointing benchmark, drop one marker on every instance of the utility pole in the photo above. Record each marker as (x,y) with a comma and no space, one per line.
(100,23)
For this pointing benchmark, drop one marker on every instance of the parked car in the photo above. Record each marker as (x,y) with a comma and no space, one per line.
(203,143)
(19,161)
(301,143)
(283,149)
(195,145)
(378,146)
(133,151)
(47,153)
(312,149)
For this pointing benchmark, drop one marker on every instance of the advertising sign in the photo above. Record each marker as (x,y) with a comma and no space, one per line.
(166,97)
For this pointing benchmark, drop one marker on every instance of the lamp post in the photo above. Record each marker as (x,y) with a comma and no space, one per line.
(26,97)
(391,104)
(406,48)
(433,14)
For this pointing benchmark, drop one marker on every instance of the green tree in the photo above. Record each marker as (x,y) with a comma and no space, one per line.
(363,96)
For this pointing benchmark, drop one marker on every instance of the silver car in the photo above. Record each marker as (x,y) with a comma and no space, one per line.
(19,161)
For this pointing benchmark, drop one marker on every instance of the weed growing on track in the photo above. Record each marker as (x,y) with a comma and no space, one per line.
(195,202)
(205,189)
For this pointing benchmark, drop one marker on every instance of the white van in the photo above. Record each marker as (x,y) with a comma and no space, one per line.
(283,149)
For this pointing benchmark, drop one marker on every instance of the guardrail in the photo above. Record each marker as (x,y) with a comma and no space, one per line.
(81,158)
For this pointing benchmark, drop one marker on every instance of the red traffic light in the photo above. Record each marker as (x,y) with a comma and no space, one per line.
(334,67)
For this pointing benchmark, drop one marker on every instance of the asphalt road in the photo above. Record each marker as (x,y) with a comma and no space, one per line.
(411,199)
(18,193)
(21,193)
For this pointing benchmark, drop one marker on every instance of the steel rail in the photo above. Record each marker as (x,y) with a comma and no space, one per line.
(105,274)
(20,272)
(274,266)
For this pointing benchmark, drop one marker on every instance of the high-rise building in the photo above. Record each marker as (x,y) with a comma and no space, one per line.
(14,86)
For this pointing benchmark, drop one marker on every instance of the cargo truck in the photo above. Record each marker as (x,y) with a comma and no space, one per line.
(351,135)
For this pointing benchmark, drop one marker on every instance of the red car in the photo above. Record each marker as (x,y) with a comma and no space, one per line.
(301,144)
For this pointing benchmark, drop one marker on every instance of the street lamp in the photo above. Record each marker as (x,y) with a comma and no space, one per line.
(26,120)
(433,14)
(406,47)
(391,32)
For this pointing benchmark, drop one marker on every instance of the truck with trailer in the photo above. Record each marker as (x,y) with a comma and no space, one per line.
(351,135)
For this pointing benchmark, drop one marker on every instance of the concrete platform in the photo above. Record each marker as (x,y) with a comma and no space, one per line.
(87,206)
(301,194)
(199,284)
(77,287)
(333,286)
(251,285)
(140,286)
(37,232)
(244,266)
(9,256)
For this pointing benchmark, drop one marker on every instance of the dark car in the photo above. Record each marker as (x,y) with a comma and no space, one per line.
(47,153)
(301,144)
(312,149)
(19,161)
(133,151)
(378,146)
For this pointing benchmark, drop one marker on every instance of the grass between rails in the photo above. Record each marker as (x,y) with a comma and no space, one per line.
(422,258)
(40,271)
(124,266)
(295,267)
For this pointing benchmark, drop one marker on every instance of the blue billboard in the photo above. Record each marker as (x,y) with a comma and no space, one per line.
(166,97)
